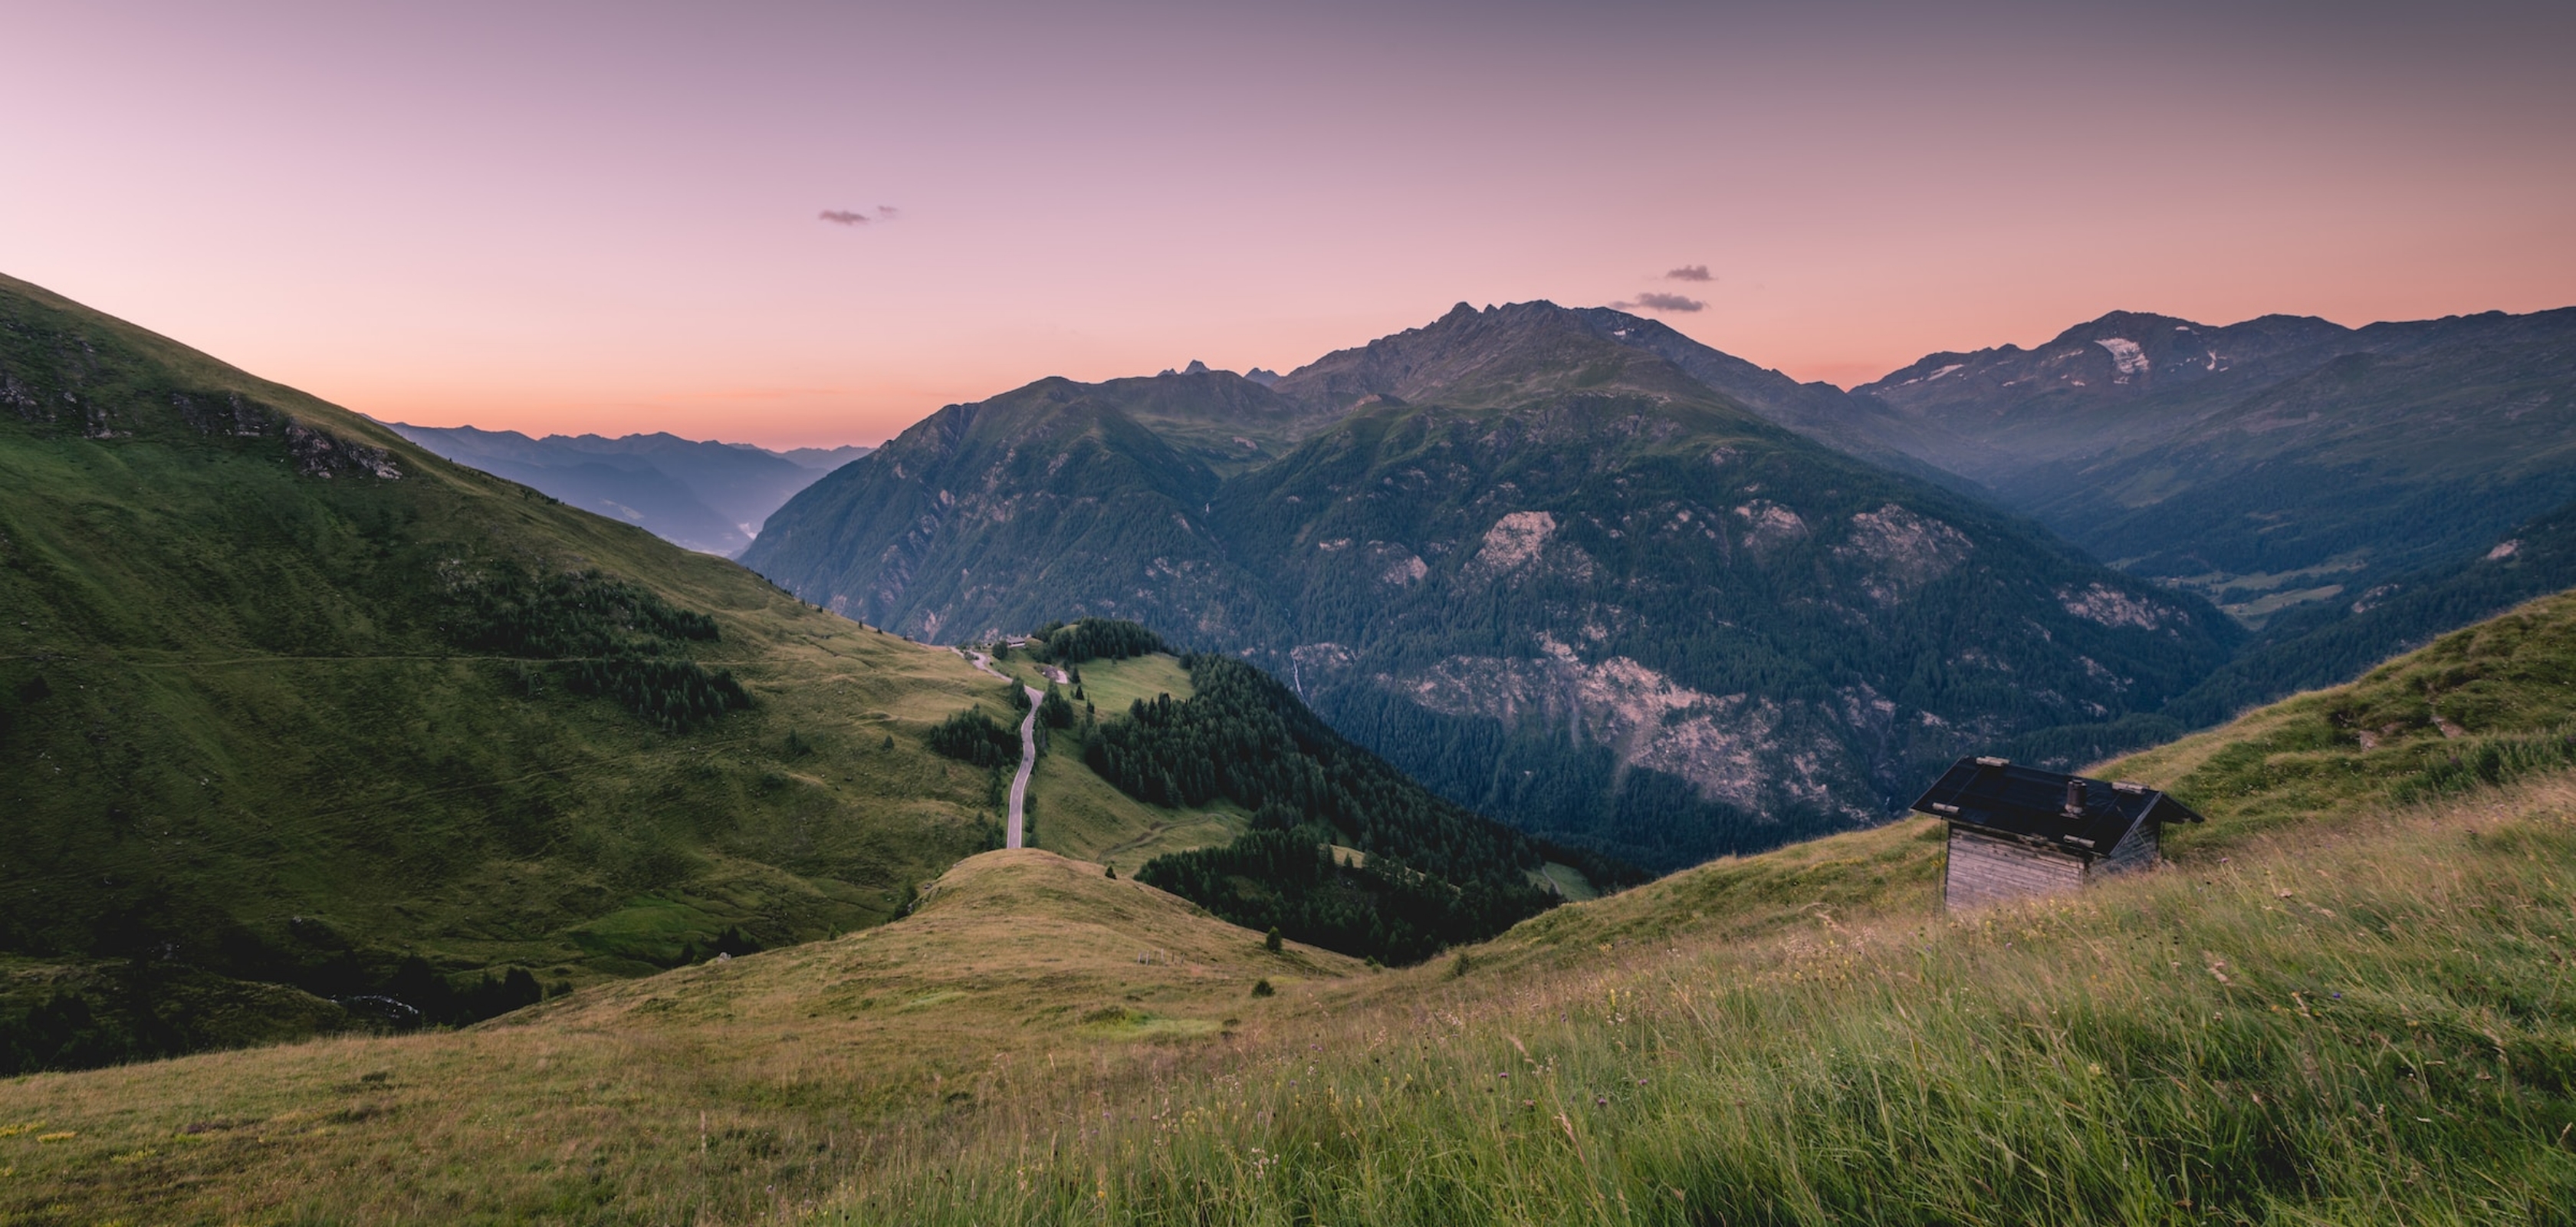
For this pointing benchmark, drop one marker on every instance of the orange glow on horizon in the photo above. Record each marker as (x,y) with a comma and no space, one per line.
(594,218)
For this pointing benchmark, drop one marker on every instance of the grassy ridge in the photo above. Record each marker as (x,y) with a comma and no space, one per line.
(721,1092)
(2376,1030)
(259,747)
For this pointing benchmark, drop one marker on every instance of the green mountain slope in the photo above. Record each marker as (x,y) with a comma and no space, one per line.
(300,724)
(1546,572)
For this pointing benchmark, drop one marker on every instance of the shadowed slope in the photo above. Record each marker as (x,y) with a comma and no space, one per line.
(291,709)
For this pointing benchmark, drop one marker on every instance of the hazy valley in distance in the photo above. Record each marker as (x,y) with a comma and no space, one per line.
(700,495)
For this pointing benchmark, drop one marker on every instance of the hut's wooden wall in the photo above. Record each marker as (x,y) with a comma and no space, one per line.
(1984,869)
(2137,851)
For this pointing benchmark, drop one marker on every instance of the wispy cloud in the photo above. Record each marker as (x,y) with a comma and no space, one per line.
(846,217)
(1660,302)
(1690,272)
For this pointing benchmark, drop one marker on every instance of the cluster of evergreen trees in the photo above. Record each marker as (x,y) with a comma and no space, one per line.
(510,611)
(1092,639)
(1056,711)
(678,695)
(1294,882)
(147,1010)
(973,738)
(1434,873)
(617,640)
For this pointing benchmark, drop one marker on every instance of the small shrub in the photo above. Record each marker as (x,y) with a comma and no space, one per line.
(1271,941)
(1261,988)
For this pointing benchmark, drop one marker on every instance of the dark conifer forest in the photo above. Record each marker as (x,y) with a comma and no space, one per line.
(1429,873)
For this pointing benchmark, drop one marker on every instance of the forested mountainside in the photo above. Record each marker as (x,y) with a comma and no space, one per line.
(705,496)
(2274,464)
(1550,574)
(1428,874)
(303,728)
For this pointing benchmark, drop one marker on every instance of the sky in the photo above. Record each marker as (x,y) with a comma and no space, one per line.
(613,217)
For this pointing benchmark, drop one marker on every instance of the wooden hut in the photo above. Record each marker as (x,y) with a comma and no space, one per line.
(2016,832)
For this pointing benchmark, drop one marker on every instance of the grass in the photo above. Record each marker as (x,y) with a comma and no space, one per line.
(2365,1015)
(2479,706)
(1111,685)
(2372,1027)
(716,1092)
(234,738)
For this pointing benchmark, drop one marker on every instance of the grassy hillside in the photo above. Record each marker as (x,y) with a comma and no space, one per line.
(2338,1005)
(717,1093)
(302,727)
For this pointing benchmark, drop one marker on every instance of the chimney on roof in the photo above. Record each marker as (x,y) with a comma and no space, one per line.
(2074,798)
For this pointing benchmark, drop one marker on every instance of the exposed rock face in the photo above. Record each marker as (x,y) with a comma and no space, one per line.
(1514,540)
(1902,551)
(319,453)
(1731,748)
(2112,607)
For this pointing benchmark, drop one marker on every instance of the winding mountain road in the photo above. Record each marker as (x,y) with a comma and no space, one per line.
(1028,749)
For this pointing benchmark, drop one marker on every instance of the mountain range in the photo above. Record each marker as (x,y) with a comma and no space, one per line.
(2274,464)
(704,496)
(1572,567)
(1542,569)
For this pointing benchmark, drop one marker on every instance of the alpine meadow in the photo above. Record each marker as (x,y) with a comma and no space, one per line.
(863,615)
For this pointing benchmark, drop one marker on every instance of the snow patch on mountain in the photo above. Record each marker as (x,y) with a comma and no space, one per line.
(2126,355)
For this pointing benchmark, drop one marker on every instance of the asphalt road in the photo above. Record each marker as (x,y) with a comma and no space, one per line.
(1028,751)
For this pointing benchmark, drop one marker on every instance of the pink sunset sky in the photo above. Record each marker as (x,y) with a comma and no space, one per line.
(607,217)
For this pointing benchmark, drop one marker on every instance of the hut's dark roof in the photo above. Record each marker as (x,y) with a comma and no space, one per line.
(1993,795)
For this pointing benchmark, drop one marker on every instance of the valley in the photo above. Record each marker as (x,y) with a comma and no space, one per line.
(1546,572)
(2345,997)
(1576,570)
(539,869)
(1407,615)
(704,496)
